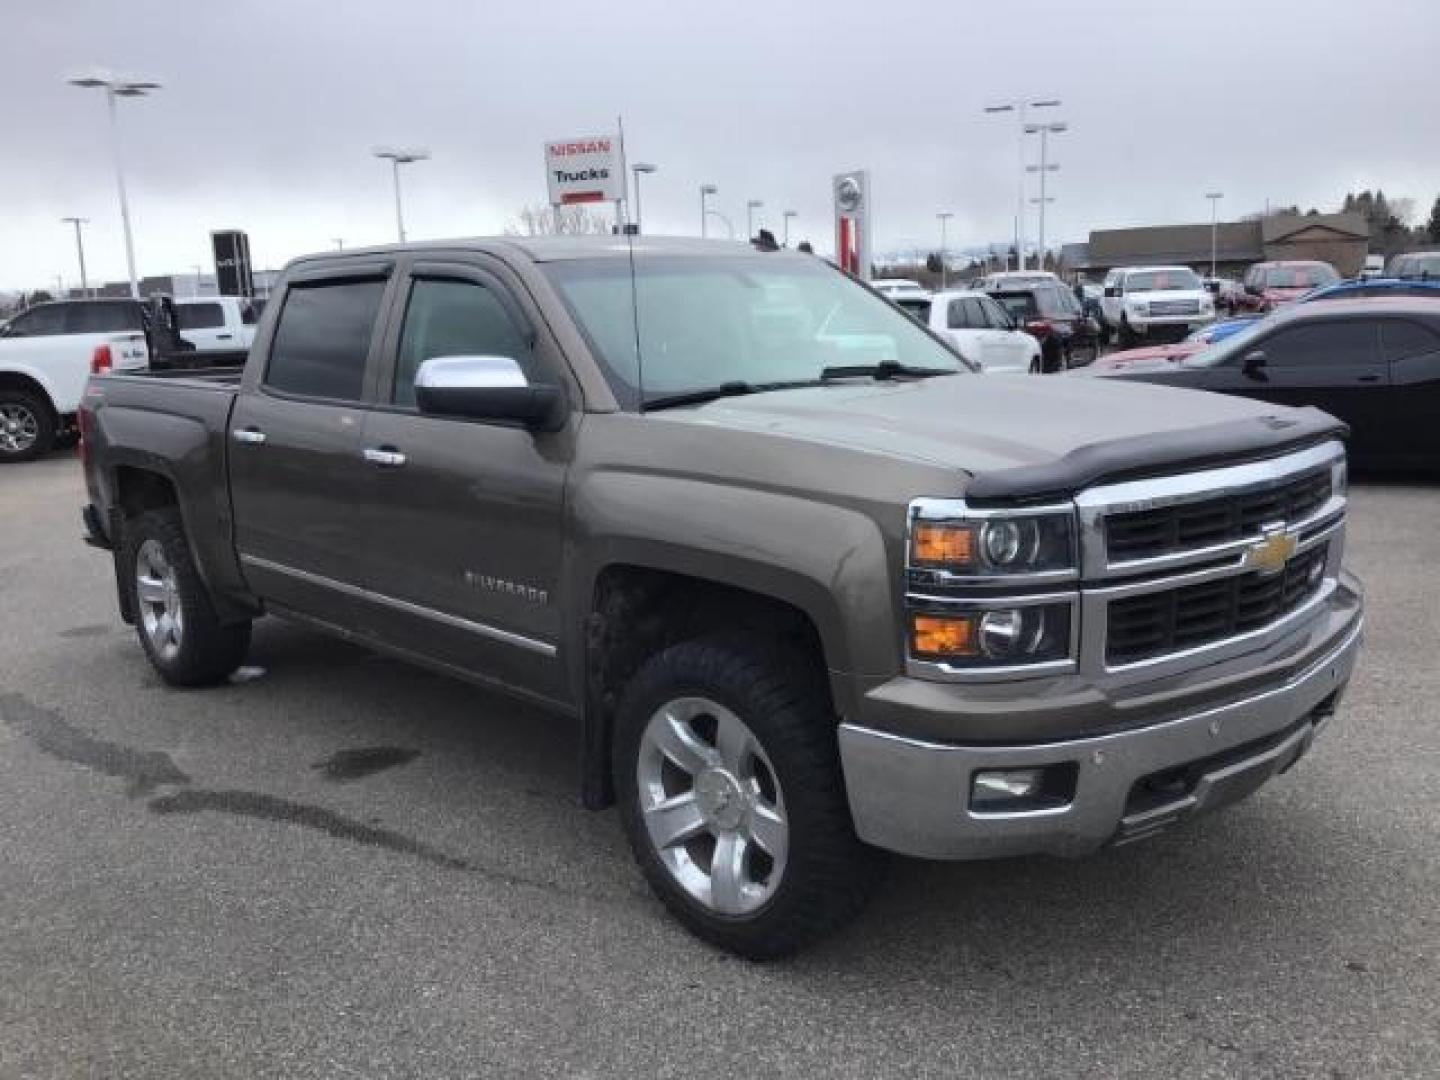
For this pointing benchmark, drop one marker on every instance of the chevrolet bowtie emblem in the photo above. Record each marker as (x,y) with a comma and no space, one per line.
(1270,554)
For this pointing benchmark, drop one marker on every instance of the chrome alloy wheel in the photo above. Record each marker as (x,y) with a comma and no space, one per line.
(19,427)
(712,805)
(158,590)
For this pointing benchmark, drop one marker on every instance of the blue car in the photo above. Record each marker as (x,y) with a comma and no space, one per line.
(1219,331)
(1359,288)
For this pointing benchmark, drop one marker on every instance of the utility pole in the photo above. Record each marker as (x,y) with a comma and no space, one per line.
(1019,108)
(1214,197)
(396,159)
(706,190)
(80,250)
(944,217)
(1044,169)
(785,218)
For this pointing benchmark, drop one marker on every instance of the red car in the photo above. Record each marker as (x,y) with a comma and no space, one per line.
(1150,354)
(1268,285)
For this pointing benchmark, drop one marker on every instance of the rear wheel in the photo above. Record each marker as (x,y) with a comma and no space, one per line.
(175,620)
(27,426)
(732,798)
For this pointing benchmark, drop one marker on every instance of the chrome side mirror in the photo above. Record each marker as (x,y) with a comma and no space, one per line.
(487,388)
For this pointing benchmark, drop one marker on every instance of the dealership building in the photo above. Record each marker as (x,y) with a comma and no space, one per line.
(1339,239)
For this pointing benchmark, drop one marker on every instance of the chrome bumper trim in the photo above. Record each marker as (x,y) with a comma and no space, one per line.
(913,797)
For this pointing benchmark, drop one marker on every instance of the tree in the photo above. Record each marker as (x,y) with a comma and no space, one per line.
(39,296)
(1432,230)
(560,221)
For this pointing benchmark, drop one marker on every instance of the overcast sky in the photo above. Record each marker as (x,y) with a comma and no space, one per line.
(270,109)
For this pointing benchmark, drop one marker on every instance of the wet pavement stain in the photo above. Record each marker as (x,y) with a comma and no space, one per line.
(52,734)
(86,631)
(365,761)
(253,804)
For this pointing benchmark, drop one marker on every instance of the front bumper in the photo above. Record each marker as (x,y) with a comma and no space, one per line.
(1150,324)
(913,796)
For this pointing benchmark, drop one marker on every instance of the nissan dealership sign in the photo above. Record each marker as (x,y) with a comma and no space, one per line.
(584,170)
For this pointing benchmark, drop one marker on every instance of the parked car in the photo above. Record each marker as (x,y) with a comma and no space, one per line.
(1010,279)
(218,322)
(1415,264)
(890,288)
(1156,302)
(1220,330)
(983,332)
(1224,292)
(1049,313)
(46,354)
(1373,363)
(796,609)
(1174,352)
(1271,284)
(1362,288)
(1374,267)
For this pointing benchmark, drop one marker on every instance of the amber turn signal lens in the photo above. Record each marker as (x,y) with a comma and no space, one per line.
(942,636)
(948,545)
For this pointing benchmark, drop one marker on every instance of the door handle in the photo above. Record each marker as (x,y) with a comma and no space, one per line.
(251,436)
(1368,378)
(387,457)
(223,337)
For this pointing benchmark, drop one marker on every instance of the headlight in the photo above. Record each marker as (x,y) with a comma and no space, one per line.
(948,537)
(998,636)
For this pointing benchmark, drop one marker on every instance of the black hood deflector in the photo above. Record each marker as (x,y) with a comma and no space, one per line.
(1139,456)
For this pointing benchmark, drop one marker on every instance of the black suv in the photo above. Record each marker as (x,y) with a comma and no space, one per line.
(1068,337)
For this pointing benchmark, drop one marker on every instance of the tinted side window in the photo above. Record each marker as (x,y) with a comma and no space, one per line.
(956,317)
(1402,340)
(1323,345)
(40,321)
(322,339)
(453,318)
(995,314)
(199,316)
(101,318)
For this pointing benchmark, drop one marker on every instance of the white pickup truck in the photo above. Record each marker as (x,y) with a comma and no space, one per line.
(1154,302)
(49,351)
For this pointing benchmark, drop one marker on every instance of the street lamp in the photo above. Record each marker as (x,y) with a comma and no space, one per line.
(706,190)
(396,159)
(1214,197)
(944,216)
(637,169)
(79,249)
(1044,169)
(117,88)
(339,242)
(1019,108)
(785,226)
(750,207)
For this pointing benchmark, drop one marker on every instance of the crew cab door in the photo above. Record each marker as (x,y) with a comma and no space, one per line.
(296,472)
(1333,364)
(464,517)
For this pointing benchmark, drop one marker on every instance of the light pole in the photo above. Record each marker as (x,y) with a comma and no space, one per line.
(1019,108)
(785,226)
(751,206)
(1045,168)
(1214,197)
(118,88)
(80,250)
(637,169)
(396,159)
(944,216)
(339,242)
(706,190)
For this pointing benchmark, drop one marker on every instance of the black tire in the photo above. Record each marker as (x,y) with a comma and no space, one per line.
(828,873)
(204,651)
(22,407)
(1128,337)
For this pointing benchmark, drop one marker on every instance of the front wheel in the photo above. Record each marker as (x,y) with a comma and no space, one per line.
(176,622)
(1128,337)
(732,799)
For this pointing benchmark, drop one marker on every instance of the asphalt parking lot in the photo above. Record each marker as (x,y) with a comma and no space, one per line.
(341,866)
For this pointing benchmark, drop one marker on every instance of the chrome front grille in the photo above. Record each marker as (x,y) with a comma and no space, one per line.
(1176,619)
(1163,530)
(1174,307)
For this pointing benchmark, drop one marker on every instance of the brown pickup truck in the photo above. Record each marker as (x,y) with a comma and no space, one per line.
(811,585)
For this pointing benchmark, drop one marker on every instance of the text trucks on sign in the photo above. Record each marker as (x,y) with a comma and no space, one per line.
(584,170)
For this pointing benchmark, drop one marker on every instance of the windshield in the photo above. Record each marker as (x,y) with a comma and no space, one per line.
(1173,280)
(1230,345)
(1416,265)
(757,319)
(1299,277)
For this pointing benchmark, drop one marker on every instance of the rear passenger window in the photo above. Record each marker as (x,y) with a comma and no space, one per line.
(957,317)
(199,316)
(99,317)
(39,321)
(453,318)
(322,339)
(1403,340)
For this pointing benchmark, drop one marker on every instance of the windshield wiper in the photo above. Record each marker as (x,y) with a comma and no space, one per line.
(886,369)
(734,388)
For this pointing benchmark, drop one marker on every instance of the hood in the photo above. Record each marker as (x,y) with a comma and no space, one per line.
(1149,355)
(1284,296)
(971,422)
